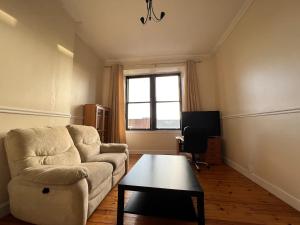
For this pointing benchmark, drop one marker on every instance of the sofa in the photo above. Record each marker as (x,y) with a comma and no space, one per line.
(59,175)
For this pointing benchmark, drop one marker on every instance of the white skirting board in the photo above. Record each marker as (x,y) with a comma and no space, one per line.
(4,209)
(275,190)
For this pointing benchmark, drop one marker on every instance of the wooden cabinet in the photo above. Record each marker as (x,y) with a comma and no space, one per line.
(99,117)
(213,154)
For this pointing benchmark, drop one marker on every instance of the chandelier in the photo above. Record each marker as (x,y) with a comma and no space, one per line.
(151,14)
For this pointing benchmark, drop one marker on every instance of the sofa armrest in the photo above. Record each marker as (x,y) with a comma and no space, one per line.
(54,175)
(116,148)
(55,204)
(113,148)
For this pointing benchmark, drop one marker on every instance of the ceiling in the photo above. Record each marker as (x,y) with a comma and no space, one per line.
(113,29)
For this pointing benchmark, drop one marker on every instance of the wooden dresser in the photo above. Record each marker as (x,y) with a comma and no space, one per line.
(98,116)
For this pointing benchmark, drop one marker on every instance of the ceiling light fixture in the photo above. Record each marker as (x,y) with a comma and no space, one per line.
(151,14)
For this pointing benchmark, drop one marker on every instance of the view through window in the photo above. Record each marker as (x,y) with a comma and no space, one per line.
(153,102)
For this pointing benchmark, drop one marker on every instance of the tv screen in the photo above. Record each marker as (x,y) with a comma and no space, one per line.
(208,120)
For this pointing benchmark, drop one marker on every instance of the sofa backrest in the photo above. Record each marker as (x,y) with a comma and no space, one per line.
(86,139)
(39,146)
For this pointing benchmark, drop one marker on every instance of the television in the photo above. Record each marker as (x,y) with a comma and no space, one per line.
(207,120)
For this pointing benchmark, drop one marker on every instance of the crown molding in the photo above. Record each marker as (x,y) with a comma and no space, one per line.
(157,59)
(175,58)
(244,9)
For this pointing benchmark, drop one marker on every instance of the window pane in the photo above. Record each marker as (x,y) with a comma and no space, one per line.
(139,116)
(168,115)
(139,90)
(167,88)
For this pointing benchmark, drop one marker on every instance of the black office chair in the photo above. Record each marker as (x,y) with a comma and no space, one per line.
(195,142)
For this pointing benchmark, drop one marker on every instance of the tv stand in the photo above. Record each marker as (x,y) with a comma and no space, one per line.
(213,155)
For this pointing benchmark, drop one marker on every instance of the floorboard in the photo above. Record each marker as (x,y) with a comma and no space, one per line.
(230,199)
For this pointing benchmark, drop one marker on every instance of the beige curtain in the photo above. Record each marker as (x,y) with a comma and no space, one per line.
(117,105)
(191,88)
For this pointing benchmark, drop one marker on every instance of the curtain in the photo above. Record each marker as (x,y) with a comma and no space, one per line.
(191,88)
(117,105)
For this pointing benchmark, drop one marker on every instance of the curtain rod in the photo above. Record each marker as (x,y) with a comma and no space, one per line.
(155,64)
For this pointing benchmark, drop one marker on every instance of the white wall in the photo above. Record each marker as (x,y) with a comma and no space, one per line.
(207,78)
(258,75)
(105,86)
(37,85)
(86,82)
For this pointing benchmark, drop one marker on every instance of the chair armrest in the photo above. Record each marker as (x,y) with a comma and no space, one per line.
(113,148)
(54,175)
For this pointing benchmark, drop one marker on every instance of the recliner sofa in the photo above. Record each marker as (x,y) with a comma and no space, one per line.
(61,174)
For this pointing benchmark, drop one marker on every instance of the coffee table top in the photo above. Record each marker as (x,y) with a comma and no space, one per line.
(164,172)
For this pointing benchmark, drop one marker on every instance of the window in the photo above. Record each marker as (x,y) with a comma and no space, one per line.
(153,102)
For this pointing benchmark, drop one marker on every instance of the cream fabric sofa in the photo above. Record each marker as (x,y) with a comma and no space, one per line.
(91,149)
(57,182)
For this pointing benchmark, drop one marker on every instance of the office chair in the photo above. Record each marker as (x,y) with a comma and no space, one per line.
(195,141)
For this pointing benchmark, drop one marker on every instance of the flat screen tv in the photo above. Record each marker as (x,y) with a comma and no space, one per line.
(208,120)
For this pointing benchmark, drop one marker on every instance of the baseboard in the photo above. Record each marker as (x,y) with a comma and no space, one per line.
(4,209)
(157,152)
(275,190)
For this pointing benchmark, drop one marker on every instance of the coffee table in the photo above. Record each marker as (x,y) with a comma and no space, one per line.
(163,186)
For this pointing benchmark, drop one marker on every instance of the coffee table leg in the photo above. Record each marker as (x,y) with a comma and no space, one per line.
(120,216)
(200,208)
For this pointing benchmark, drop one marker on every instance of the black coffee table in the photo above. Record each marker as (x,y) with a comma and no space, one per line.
(163,186)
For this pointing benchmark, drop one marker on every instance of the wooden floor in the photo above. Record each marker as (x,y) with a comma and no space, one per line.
(230,199)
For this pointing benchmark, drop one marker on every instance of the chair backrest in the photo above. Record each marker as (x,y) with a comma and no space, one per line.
(39,146)
(86,140)
(195,140)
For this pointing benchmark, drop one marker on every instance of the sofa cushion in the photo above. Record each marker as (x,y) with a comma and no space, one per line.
(86,139)
(39,146)
(97,172)
(54,175)
(116,159)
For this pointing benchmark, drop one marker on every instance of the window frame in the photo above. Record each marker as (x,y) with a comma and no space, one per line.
(152,101)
